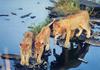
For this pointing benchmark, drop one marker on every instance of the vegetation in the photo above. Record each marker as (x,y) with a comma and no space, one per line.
(37,28)
(67,6)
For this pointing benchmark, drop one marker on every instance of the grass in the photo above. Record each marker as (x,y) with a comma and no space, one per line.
(67,6)
(37,28)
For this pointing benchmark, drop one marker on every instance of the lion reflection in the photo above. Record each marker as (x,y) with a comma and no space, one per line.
(70,58)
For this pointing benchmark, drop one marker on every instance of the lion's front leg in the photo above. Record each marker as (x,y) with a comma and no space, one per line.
(39,60)
(72,33)
(40,55)
(27,58)
(67,42)
(55,39)
(47,45)
(30,52)
(22,62)
(88,32)
(80,32)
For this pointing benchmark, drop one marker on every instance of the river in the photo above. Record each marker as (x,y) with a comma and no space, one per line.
(13,26)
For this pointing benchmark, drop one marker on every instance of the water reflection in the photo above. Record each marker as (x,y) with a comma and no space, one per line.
(70,58)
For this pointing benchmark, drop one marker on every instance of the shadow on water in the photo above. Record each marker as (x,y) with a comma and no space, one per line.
(69,58)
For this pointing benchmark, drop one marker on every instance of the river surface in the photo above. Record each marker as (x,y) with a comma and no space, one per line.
(12,28)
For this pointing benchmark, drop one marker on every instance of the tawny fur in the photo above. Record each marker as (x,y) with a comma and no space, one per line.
(42,40)
(25,48)
(79,21)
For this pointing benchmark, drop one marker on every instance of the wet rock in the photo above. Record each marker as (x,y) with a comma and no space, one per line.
(80,59)
(23,21)
(26,15)
(32,17)
(6,15)
(53,1)
(49,8)
(13,13)
(20,8)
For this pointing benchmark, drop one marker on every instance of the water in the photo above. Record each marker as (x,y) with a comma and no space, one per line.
(12,28)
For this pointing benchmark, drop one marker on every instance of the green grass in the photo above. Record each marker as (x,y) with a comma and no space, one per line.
(67,6)
(37,28)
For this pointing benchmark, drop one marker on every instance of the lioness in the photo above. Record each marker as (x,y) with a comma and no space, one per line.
(41,42)
(25,48)
(79,21)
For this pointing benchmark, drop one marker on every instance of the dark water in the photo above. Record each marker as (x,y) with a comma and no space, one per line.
(12,28)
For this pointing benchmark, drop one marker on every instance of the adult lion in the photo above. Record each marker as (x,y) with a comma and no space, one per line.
(26,48)
(79,21)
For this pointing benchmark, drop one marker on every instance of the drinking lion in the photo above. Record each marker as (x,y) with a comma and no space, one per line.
(78,21)
(42,42)
(26,48)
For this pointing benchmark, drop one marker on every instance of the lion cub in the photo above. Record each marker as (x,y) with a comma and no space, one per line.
(41,43)
(25,48)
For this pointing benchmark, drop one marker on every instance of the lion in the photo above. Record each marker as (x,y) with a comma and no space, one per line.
(69,24)
(25,48)
(41,42)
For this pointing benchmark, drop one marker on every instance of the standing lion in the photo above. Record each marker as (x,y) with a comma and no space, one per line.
(79,21)
(42,43)
(26,48)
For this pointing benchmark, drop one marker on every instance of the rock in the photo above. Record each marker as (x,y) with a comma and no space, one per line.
(6,15)
(80,59)
(32,17)
(20,8)
(26,15)
(13,13)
